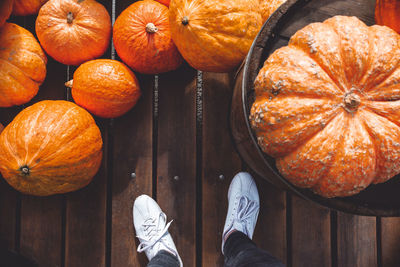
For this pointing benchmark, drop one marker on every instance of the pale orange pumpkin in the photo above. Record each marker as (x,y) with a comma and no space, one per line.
(27,7)
(51,147)
(6,7)
(214,35)
(142,38)
(327,106)
(387,12)
(22,65)
(73,32)
(106,88)
(268,7)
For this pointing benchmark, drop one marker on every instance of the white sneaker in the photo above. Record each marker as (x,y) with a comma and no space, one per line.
(244,205)
(151,228)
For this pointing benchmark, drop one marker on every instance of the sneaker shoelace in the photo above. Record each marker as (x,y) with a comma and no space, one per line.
(245,212)
(153,233)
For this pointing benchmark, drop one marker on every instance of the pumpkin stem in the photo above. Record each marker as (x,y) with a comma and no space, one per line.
(351,101)
(70,17)
(69,83)
(185,20)
(25,170)
(151,28)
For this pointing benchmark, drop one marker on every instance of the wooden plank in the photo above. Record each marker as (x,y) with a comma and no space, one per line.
(311,235)
(270,232)
(176,164)
(356,238)
(390,229)
(219,158)
(41,231)
(8,197)
(132,144)
(85,234)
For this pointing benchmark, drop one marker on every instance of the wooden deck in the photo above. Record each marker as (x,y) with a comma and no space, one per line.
(175,145)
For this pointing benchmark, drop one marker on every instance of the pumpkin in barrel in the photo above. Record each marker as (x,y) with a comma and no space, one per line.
(51,147)
(327,106)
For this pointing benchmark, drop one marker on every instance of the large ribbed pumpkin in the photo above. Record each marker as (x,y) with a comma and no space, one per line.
(268,7)
(5,10)
(51,147)
(387,12)
(73,31)
(142,38)
(106,88)
(27,7)
(214,35)
(327,106)
(22,65)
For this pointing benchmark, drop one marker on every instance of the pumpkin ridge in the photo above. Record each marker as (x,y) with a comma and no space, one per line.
(56,152)
(102,98)
(371,110)
(46,140)
(335,112)
(337,84)
(65,166)
(281,161)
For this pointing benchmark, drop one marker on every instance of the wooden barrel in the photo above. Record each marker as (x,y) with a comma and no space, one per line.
(377,200)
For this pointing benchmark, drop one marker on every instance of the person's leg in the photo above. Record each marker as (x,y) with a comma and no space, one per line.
(241,219)
(152,231)
(240,251)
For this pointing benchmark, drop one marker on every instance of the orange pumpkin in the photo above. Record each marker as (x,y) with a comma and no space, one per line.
(387,12)
(51,147)
(268,7)
(6,7)
(142,38)
(327,106)
(72,31)
(106,88)
(27,7)
(22,65)
(164,2)
(214,35)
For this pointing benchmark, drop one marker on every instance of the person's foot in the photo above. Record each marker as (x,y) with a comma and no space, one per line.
(151,228)
(244,205)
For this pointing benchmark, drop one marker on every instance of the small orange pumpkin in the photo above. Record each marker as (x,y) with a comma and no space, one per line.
(107,88)
(22,65)
(6,7)
(268,7)
(142,38)
(327,106)
(73,31)
(387,12)
(164,2)
(27,7)
(214,35)
(51,147)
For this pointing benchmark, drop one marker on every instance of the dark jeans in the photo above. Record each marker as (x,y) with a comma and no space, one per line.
(164,259)
(240,251)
